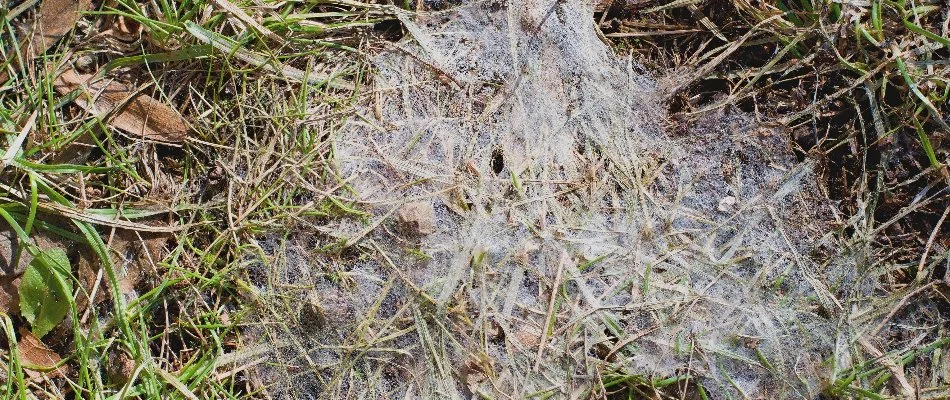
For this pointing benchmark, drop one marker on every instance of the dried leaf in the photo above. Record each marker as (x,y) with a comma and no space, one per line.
(111,219)
(9,295)
(121,367)
(37,358)
(54,19)
(127,29)
(88,272)
(9,249)
(136,114)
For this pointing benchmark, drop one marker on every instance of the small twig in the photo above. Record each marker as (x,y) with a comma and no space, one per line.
(708,67)
(930,242)
(896,371)
(405,279)
(547,15)
(434,68)
(905,211)
(810,110)
(623,343)
(17,144)
(900,305)
(15,12)
(550,314)
(248,20)
(653,33)
(361,234)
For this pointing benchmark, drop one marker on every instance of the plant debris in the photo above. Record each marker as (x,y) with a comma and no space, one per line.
(54,19)
(38,358)
(126,108)
(417,218)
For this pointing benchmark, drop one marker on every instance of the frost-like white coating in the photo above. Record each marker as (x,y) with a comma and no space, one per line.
(575,240)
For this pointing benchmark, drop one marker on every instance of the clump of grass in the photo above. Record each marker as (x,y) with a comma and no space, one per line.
(261,93)
(808,63)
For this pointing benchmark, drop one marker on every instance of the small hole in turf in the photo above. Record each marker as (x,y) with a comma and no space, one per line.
(390,30)
(497,161)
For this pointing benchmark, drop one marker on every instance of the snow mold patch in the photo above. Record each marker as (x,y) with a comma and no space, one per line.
(570,243)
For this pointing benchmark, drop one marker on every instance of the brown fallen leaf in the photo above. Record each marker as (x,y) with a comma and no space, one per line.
(123,107)
(37,358)
(54,19)
(416,218)
(10,294)
(121,367)
(9,248)
(126,29)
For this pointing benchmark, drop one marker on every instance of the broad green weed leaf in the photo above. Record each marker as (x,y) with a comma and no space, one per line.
(45,290)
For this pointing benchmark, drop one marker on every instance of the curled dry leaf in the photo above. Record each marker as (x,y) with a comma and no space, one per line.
(417,218)
(121,367)
(123,107)
(54,19)
(37,358)
(10,294)
(127,29)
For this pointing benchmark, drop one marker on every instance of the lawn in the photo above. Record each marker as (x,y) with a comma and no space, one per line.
(213,199)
